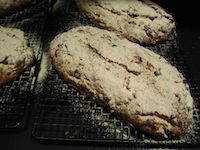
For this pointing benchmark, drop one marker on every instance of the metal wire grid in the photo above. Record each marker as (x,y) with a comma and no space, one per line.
(64,114)
(15,96)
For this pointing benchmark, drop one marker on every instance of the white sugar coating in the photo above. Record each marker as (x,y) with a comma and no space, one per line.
(143,22)
(15,55)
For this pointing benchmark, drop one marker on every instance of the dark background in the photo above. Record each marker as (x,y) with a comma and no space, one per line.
(186,14)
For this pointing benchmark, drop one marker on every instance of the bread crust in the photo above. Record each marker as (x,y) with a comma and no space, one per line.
(15,55)
(143,22)
(134,82)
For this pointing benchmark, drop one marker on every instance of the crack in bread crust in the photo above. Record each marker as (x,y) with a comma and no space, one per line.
(113,62)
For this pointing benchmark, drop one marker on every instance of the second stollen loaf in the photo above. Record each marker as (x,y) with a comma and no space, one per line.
(139,21)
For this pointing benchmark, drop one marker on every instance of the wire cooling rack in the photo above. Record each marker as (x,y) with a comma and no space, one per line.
(15,95)
(64,114)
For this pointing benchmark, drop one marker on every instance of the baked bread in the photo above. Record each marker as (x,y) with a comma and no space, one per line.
(139,21)
(136,83)
(10,6)
(15,55)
